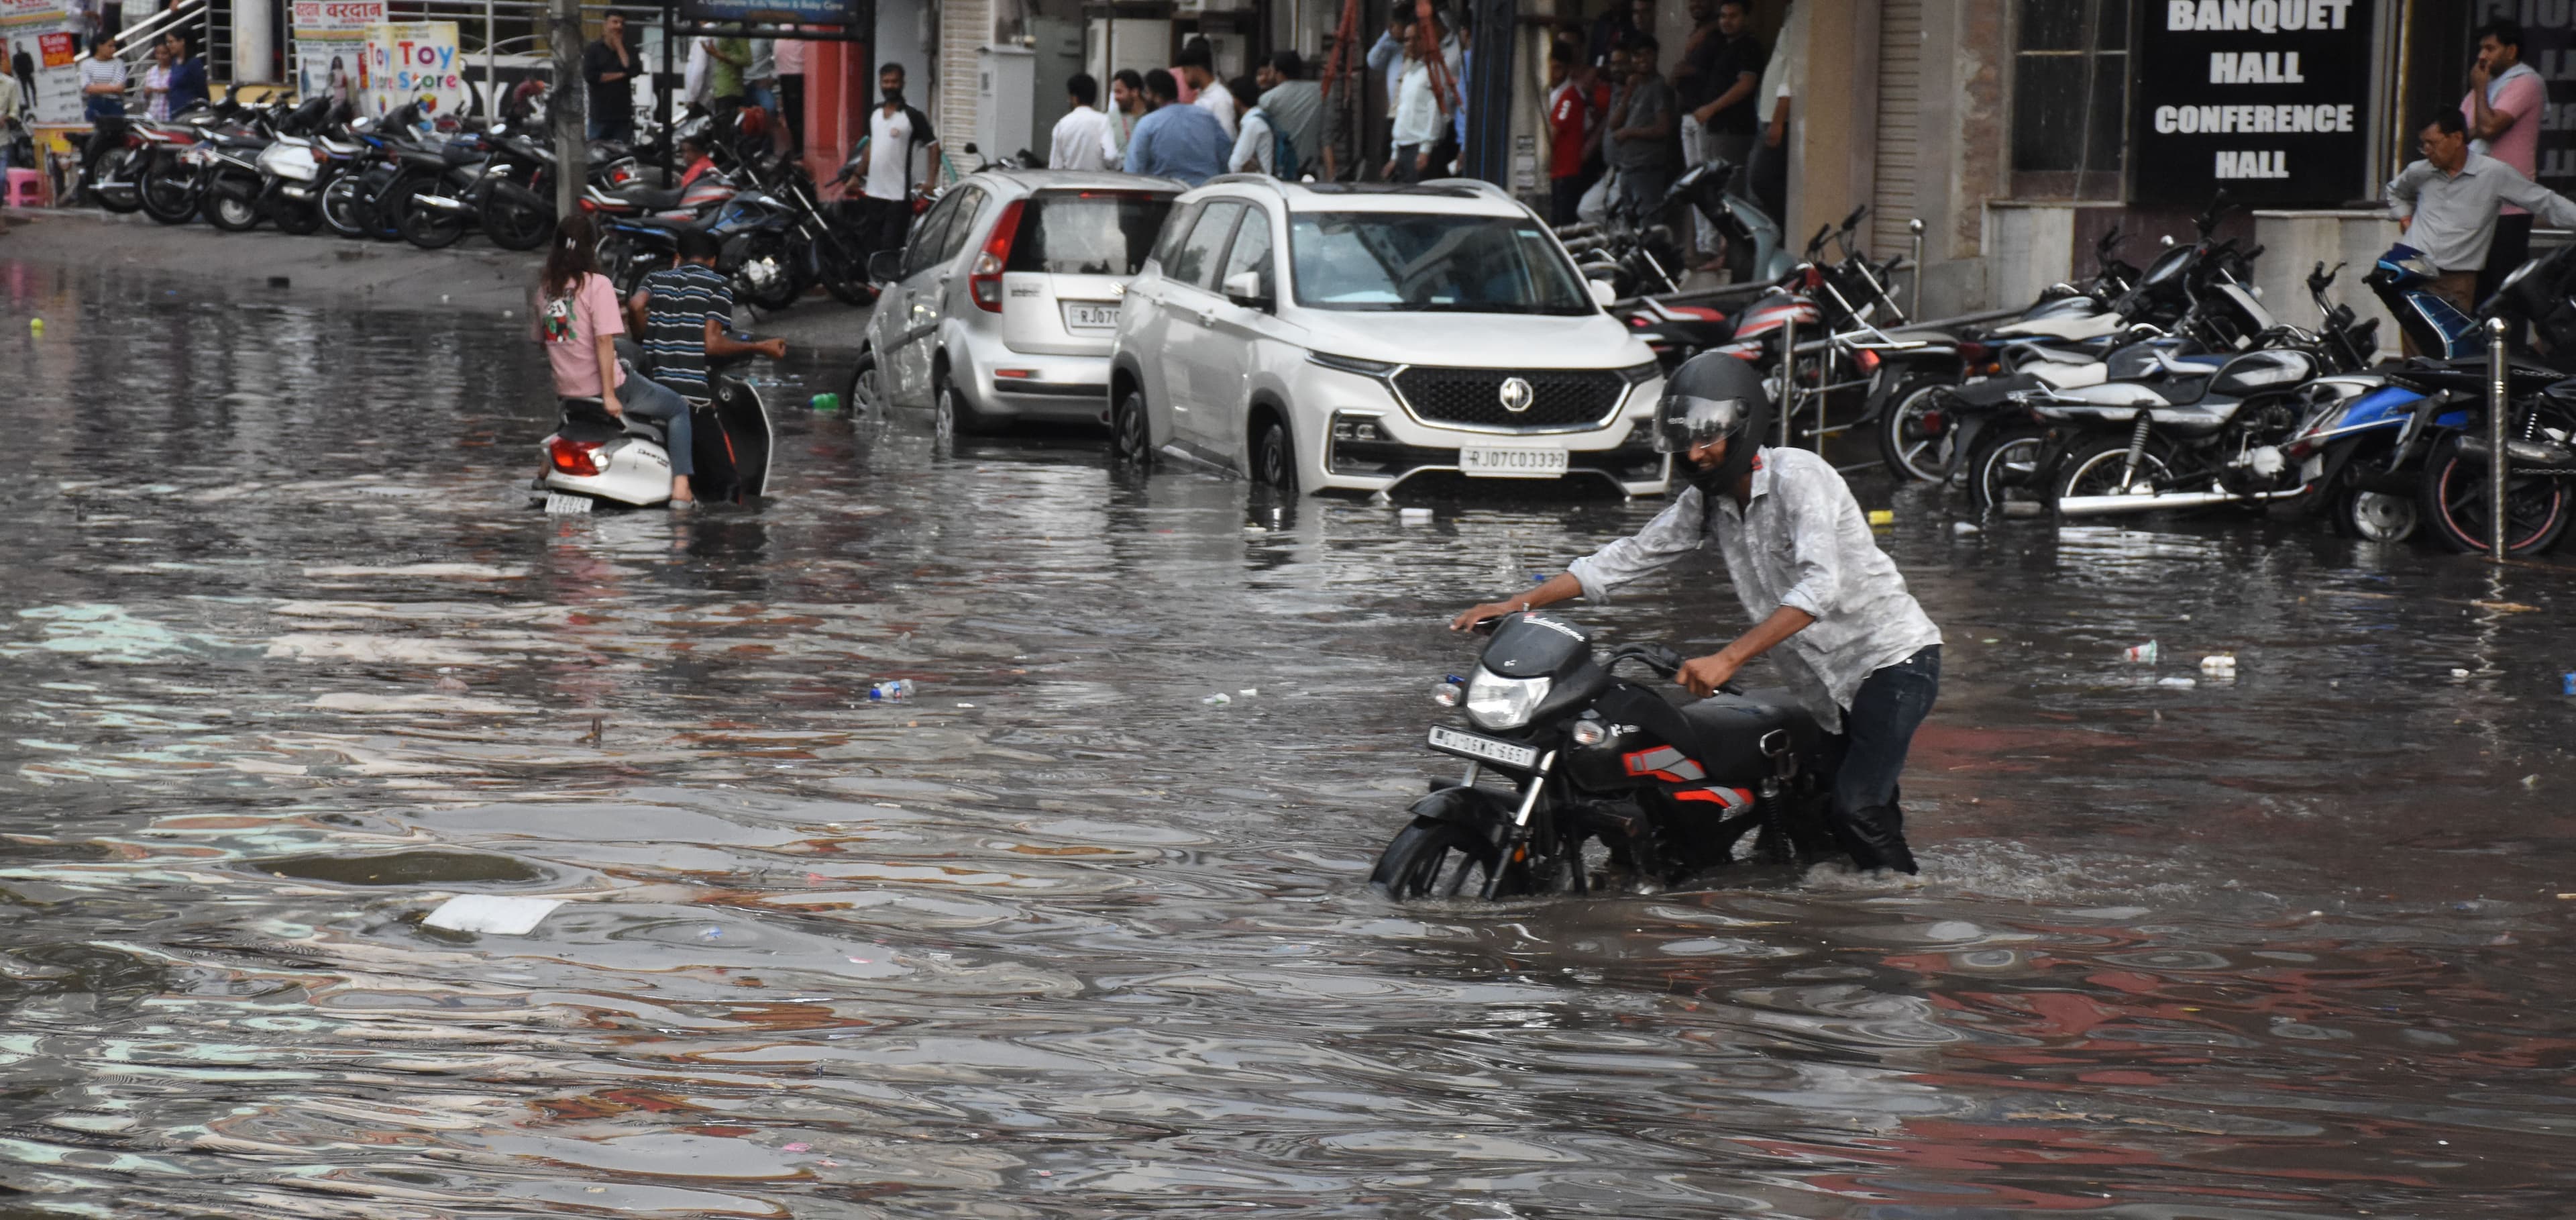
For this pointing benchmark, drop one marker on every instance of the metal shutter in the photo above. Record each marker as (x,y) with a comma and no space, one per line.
(1900,111)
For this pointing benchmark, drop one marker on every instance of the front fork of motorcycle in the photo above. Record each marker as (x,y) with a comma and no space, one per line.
(1516,843)
(2137,451)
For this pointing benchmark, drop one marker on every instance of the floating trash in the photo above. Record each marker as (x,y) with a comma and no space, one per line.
(491,914)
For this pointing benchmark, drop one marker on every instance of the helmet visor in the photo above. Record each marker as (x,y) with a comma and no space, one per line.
(1687,423)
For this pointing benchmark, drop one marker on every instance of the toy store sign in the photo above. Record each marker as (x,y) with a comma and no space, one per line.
(2263,98)
(413,62)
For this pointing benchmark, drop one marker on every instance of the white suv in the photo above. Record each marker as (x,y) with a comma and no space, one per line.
(1321,337)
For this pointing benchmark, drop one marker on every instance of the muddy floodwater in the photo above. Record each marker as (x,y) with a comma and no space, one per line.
(288,661)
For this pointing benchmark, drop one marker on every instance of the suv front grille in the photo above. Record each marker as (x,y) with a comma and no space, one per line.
(1473,397)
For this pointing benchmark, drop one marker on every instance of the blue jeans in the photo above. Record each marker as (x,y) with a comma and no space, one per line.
(1877,729)
(651,399)
(619,126)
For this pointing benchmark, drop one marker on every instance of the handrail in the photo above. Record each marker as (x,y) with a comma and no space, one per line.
(134,43)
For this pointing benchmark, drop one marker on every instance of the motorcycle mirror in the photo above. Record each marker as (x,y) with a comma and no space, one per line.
(2166,241)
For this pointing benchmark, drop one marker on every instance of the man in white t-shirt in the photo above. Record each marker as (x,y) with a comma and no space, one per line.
(1198,70)
(1082,135)
(884,166)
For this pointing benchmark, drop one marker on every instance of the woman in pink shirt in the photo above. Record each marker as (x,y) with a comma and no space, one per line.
(578,321)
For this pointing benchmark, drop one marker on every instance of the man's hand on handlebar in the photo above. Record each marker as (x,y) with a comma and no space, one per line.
(1473,616)
(1702,676)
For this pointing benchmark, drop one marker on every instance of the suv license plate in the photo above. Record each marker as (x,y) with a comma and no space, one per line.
(1472,745)
(1481,462)
(1090,317)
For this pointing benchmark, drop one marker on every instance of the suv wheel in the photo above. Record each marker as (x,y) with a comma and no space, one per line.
(1131,437)
(1274,457)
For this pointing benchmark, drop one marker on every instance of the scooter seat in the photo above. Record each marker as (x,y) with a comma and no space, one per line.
(650,199)
(1731,728)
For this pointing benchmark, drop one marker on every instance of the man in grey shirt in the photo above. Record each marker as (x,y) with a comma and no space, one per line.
(1859,654)
(1642,128)
(2446,206)
(1296,106)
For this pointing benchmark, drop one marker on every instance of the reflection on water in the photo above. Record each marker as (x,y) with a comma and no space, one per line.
(293,664)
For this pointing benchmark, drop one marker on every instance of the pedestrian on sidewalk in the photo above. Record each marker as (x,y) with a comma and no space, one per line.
(760,77)
(1415,127)
(1783,74)
(103,82)
(187,74)
(609,67)
(2446,206)
(2503,108)
(1081,137)
(1127,104)
(790,54)
(1569,125)
(1256,141)
(1198,67)
(727,59)
(1177,141)
(156,85)
(576,319)
(884,166)
(1725,115)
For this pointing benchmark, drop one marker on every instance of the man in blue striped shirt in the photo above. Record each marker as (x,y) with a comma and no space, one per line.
(682,314)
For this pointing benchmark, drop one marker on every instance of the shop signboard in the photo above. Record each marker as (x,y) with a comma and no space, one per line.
(413,61)
(2549,47)
(49,35)
(2268,100)
(330,40)
(858,14)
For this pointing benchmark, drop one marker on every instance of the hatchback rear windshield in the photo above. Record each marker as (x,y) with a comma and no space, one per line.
(1431,262)
(1087,232)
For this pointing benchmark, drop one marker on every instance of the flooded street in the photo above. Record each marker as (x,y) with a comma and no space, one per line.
(290,661)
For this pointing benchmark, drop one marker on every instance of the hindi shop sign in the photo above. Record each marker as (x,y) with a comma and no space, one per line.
(413,61)
(2266,99)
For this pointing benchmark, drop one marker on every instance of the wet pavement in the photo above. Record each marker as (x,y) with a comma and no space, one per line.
(290,661)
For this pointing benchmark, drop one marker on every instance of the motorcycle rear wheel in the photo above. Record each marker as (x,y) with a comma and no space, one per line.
(169,191)
(232,214)
(842,273)
(301,219)
(427,227)
(1431,859)
(2454,503)
(2097,468)
(1909,447)
(115,162)
(2004,470)
(344,206)
(516,226)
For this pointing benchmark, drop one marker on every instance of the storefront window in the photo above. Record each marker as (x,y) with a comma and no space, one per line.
(2070,94)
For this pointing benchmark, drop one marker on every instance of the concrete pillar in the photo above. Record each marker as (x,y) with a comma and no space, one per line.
(255,42)
(1833,122)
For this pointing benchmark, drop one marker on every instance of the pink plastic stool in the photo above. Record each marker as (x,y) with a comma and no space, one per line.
(26,189)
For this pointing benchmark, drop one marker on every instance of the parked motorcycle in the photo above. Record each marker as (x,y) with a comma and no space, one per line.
(1585,755)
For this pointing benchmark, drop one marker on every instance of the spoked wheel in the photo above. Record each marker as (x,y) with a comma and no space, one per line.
(1442,860)
(2004,474)
(2454,503)
(1274,457)
(2100,467)
(1131,440)
(1915,434)
(344,206)
(116,165)
(169,190)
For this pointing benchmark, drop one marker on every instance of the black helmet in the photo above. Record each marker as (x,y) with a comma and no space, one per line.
(1712,396)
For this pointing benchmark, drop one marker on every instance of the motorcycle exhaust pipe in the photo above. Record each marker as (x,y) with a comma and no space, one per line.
(2521,452)
(2143,502)
(442,203)
(296,193)
(514,193)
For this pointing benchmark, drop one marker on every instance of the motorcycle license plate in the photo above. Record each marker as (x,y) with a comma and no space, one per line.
(1495,462)
(1482,748)
(1090,317)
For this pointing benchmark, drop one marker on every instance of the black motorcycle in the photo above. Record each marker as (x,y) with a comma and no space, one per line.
(1668,791)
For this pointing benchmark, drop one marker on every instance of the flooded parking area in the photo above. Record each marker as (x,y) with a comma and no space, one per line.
(291,661)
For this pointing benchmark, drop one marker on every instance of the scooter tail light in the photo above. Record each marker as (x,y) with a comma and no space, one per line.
(1868,361)
(1972,353)
(577,458)
(984,279)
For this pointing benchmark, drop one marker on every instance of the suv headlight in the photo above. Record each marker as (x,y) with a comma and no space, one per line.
(1497,702)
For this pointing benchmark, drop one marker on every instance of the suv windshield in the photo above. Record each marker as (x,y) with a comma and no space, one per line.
(1088,232)
(1430,262)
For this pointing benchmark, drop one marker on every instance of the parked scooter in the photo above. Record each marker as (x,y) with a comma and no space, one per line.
(1583,755)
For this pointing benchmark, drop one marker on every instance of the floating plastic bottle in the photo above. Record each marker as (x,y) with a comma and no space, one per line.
(898,689)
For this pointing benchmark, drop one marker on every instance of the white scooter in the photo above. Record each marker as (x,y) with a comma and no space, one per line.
(594,457)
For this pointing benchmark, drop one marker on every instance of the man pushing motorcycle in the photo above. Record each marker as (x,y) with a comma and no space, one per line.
(1857,651)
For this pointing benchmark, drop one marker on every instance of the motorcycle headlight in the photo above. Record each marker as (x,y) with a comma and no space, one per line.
(1497,702)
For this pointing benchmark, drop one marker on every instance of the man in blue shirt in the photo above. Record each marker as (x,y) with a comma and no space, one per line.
(1176,141)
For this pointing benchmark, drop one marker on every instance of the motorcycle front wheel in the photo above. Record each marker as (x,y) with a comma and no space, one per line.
(230,213)
(2003,472)
(1432,859)
(515,225)
(169,191)
(344,206)
(427,227)
(115,165)
(299,217)
(1914,433)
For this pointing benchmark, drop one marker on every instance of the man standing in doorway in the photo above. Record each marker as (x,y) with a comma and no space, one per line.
(1726,117)
(2446,206)
(610,68)
(1198,67)
(1641,133)
(2503,109)
(1081,139)
(1782,77)
(884,168)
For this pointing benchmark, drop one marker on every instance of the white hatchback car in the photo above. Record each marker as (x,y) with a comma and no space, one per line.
(1004,299)
(1321,337)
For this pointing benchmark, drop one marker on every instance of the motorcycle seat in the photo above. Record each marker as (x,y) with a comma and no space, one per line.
(1730,729)
(650,199)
